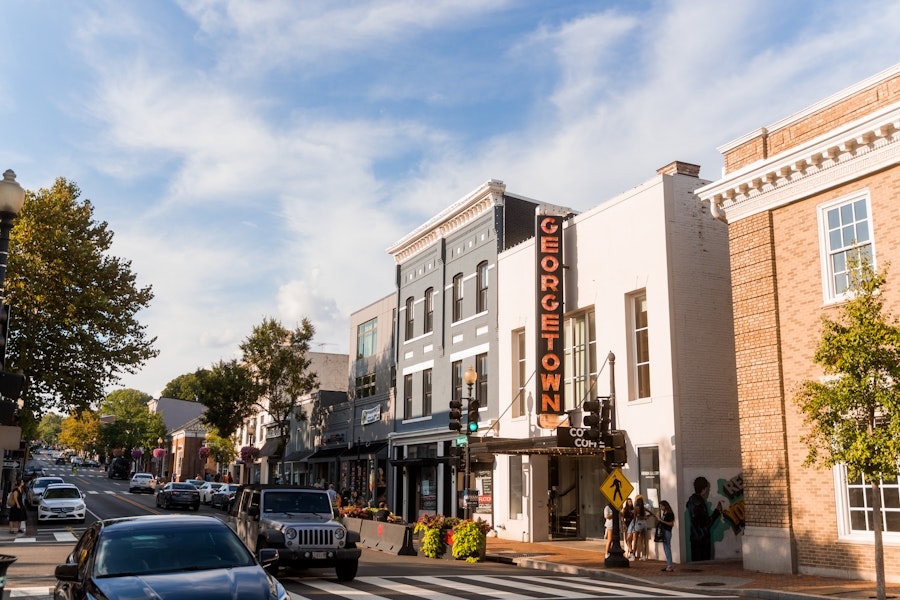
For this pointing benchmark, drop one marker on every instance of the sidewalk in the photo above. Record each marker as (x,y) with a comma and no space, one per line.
(714,577)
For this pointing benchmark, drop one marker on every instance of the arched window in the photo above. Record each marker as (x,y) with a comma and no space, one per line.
(482,298)
(457,296)
(429,310)
(410,318)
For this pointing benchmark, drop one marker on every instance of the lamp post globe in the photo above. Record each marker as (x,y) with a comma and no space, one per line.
(12,198)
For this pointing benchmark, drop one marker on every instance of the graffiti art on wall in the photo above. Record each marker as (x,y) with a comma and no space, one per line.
(706,525)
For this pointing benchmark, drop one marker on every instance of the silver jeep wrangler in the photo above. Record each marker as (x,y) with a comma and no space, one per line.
(298,522)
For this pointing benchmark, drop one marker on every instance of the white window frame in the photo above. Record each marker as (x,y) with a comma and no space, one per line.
(843,509)
(829,293)
(634,363)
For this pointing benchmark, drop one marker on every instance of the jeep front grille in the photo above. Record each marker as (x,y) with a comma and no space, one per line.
(315,537)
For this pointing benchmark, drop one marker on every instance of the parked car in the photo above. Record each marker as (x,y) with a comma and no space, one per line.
(32,471)
(60,460)
(62,501)
(195,482)
(36,488)
(142,482)
(224,496)
(178,493)
(165,556)
(90,462)
(207,490)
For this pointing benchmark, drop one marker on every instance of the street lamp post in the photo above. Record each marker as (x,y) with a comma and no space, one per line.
(12,197)
(469,377)
(251,439)
(160,458)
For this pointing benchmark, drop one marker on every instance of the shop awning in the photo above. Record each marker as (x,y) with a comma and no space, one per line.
(537,445)
(326,454)
(298,456)
(270,448)
(365,449)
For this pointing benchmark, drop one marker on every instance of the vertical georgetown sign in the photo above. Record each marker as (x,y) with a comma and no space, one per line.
(549,301)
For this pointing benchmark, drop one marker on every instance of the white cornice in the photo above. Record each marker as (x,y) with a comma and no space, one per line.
(848,152)
(453,218)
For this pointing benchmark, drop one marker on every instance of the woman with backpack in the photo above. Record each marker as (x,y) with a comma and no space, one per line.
(16,503)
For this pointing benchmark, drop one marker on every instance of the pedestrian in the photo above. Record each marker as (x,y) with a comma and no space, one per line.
(217,478)
(628,521)
(701,521)
(665,520)
(16,503)
(228,478)
(639,542)
(608,523)
(332,495)
(383,514)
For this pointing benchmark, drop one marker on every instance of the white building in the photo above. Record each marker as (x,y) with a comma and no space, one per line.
(646,278)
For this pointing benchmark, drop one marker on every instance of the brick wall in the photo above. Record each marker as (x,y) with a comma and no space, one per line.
(811,126)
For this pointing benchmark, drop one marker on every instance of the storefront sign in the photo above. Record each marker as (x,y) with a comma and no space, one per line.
(371,415)
(549,322)
(574,437)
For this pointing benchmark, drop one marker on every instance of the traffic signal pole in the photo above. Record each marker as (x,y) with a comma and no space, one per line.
(616,558)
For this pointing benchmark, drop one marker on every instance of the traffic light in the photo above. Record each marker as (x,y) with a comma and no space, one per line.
(592,419)
(605,408)
(456,415)
(4,334)
(473,416)
(615,448)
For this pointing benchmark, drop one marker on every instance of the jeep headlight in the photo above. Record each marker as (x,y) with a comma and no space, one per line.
(290,533)
(339,534)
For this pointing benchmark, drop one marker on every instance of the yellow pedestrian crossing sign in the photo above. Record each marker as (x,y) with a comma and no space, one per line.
(616,488)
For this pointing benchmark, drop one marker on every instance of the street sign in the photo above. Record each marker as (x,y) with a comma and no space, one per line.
(616,488)
(462,440)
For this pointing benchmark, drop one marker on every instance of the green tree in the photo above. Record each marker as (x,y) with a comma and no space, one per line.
(49,426)
(854,413)
(74,328)
(229,393)
(186,387)
(221,448)
(278,363)
(132,424)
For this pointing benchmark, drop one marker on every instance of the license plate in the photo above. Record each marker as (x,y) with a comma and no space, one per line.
(320,555)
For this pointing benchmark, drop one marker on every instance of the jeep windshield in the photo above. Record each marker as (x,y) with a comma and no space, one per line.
(296,502)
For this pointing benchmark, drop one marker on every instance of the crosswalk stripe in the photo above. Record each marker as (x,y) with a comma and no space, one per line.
(337,589)
(442,581)
(531,585)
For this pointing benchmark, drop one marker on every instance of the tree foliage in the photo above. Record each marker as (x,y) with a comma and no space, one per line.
(74,327)
(186,387)
(853,414)
(134,425)
(81,431)
(222,448)
(229,393)
(278,361)
(49,427)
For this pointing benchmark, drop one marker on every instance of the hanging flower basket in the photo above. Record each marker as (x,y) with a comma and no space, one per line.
(137,453)
(203,452)
(159,453)
(249,453)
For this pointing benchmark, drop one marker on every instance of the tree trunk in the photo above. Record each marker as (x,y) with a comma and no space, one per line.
(880,591)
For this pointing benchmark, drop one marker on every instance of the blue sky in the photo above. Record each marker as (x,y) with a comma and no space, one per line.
(255,158)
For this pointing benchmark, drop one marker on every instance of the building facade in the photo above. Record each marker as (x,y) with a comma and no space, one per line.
(446,274)
(646,296)
(798,197)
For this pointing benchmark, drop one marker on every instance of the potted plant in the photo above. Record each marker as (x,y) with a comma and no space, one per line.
(465,538)
(470,539)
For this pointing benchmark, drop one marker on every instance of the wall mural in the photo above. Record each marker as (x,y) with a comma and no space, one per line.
(707,526)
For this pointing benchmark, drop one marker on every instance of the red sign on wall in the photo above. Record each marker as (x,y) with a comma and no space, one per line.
(549,300)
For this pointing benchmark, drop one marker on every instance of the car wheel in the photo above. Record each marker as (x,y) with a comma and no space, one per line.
(196,506)
(166,503)
(346,570)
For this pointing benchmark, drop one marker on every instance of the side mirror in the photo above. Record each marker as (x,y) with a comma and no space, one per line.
(268,556)
(67,572)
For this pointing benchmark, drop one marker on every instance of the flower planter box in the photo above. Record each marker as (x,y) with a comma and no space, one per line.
(447,537)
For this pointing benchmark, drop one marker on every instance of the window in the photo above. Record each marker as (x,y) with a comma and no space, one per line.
(846,235)
(640,348)
(482,298)
(859,506)
(366,338)
(457,297)
(648,468)
(410,318)
(520,375)
(407,396)
(429,310)
(516,491)
(580,358)
(365,385)
(481,386)
(426,392)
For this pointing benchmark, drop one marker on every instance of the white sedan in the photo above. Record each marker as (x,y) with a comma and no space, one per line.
(62,501)
(207,490)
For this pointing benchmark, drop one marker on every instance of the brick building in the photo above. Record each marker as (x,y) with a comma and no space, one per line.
(798,196)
